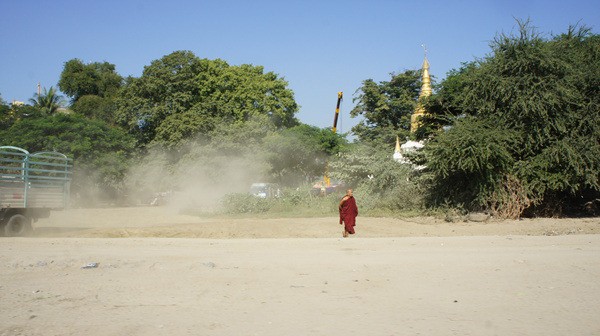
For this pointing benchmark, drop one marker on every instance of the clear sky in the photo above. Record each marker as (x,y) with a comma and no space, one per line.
(319,47)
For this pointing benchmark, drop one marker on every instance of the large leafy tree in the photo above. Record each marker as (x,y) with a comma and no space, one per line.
(386,107)
(181,86)
(533,135)
(98,78)
(92,88)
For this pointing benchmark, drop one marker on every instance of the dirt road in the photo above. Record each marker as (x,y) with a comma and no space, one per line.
(393,278)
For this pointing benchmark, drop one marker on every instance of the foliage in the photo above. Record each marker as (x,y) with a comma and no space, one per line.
(245,203)
(380,181)
(300,153)
(100,152)
(4,108)
(98,79)
(535,126)
(448,99)
(469,160)
(227,161)
(48,102)
(95,107)
(205,92)
(9,114)
(294,202)
(386,107)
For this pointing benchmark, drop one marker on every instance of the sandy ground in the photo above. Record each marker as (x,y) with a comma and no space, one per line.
(159,273)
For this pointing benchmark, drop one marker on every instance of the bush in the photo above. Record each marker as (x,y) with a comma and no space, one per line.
(380,184)
(293,203)
(241,203)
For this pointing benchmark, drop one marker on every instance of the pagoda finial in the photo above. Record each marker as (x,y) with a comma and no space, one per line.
(426,78)
(397,156)
(425,92)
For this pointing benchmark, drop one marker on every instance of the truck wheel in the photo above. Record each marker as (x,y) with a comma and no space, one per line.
(17,225)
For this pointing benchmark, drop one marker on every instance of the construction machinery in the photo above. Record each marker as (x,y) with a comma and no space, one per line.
(337,111)
(326,180)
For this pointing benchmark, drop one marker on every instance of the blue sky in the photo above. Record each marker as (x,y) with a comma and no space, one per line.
(319,47)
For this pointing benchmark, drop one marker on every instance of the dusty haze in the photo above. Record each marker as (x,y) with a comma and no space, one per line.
(197,180)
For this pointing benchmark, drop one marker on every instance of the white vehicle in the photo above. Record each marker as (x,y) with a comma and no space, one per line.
(265,190)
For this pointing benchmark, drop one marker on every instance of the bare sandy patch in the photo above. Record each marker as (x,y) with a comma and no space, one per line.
(149,271)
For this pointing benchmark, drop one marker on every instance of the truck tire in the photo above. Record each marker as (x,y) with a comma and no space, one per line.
(17,225)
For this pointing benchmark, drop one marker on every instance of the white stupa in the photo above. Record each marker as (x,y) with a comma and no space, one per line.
(411,146)
(408,147)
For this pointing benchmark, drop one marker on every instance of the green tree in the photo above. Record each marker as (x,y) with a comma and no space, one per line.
(48,102)
(541,92)
(99,79)
(14,113)
(5,117)
(96,107)
(208,92)
(446,105)
(386,107)
(470,160)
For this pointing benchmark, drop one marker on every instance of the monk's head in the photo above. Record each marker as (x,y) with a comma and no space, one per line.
(349,192)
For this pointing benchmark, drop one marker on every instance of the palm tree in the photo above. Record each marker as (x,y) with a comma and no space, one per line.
(49,101)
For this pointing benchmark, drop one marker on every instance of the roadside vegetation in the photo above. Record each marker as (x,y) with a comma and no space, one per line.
(515,133)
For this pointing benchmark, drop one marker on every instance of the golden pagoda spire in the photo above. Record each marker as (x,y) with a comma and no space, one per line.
(425,78)
(425,92)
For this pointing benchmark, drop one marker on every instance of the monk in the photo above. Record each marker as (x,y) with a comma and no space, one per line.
(348,213)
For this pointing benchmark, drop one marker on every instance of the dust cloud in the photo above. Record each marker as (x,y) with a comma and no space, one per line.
(196,180)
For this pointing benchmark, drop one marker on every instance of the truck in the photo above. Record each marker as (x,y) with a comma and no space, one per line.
(31,186)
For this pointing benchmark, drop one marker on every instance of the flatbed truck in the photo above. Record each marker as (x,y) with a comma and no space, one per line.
(31,186)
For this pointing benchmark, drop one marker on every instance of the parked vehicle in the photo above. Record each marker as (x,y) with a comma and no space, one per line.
(265,190)
(320,188)
(31,185)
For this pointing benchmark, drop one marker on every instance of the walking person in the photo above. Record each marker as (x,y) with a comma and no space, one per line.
(348,212)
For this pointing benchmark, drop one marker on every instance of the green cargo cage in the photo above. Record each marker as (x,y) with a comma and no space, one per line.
(38,180)
(31,184)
